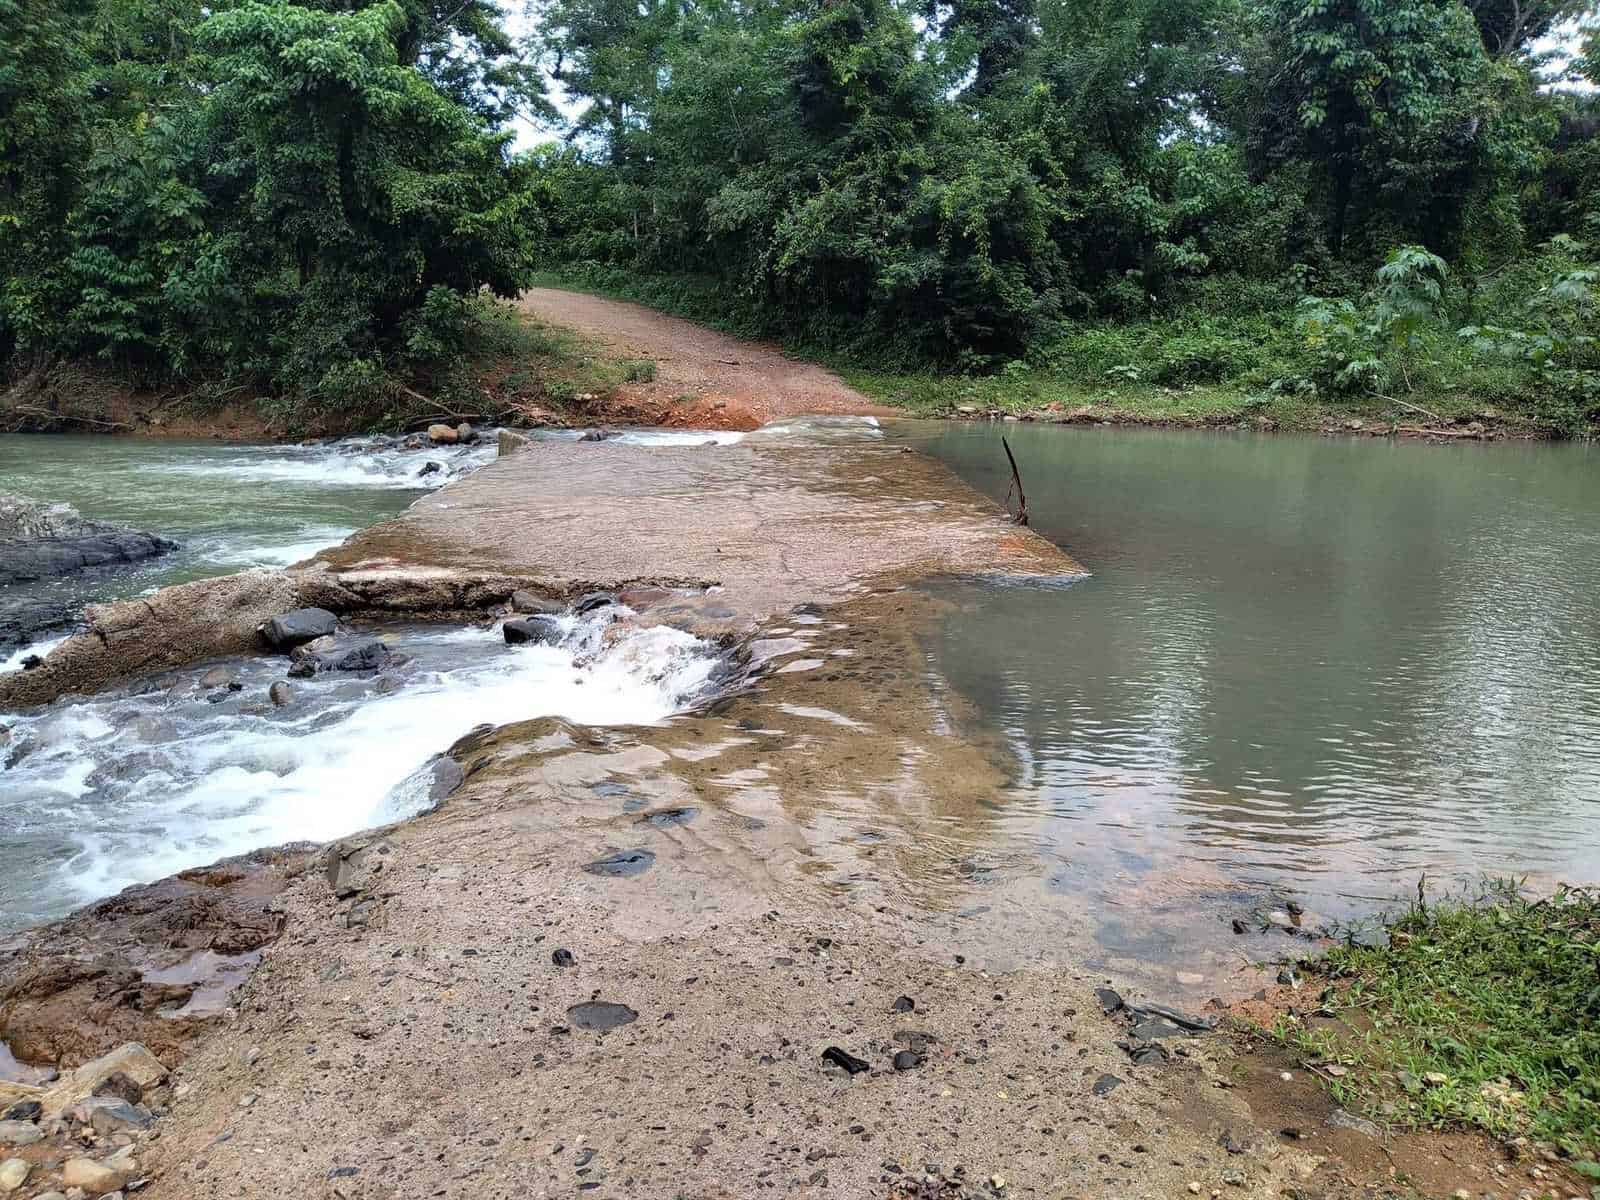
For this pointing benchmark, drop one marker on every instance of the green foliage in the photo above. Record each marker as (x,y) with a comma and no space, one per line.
(1481,1013)
(295,198)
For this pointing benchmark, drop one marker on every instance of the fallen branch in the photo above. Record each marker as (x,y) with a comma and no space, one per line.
(56,418)
(1405,404)
(1016,482)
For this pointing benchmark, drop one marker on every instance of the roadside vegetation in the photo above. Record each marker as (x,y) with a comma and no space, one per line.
(1186,210)
(1478,1012)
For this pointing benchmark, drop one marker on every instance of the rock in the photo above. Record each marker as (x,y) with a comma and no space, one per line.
(906,1060)
(1435,1078)
(369,656)
(1194,1187)
(1105,1085)
(594,600)
(1110,1001)
(216,677)
(843,1058)
(600,1015)
(13,1174)
(903,1004)
(283,633)
(1233,1177)
(96,1179)
(1239,926)
(509,443)
(280,693)
(524,601)
(1296,909)
(120,1087)
(622,863)
(562,957)
(24,1110)
(443,435)
(304,669)
(1279,919)
(108,1115)
(361,914)
(40,541)
(537,631)
(352,865)
(429,468)
(19,1133)
(466,434)
(661,818)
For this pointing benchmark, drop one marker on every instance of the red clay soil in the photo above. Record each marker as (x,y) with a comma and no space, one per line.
(704,379)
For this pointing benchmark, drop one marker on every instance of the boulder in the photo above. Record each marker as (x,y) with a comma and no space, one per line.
(280,693)
(130,1060)
(443,435)
(536,631)
(288,630)
(592,601)
(510,442)
(466,434)
(39,541)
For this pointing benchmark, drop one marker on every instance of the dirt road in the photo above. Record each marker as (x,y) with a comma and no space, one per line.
(704,379)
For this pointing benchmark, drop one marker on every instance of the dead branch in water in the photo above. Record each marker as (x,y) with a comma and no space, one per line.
(1016,482)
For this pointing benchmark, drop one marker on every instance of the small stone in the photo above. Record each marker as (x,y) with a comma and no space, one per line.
(13,1174)
(562,957)
(1296,909)
(1435,1078)
(96,1179)
(1286,1076)
(1461,1194)
(842,1058)
(1105,1085)
(216,677)
(1239,926)
(1233,1178)
(280,693)
(1194,1188)
(252,1056)
(20,1133)
(904,1004)
(906,1060)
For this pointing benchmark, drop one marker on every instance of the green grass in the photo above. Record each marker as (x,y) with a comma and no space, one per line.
(528,364)
(1480,1012)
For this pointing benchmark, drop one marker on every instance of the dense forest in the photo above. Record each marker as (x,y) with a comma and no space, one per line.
(1292,197)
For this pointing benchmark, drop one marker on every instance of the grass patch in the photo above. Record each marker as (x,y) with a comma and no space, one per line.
(1480,1012)
(526,365)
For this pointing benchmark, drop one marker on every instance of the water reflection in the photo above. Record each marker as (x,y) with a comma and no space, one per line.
(1316,664)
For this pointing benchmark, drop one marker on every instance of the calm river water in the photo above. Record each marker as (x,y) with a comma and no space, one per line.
(1302,665)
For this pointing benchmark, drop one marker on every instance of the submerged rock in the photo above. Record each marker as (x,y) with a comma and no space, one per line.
(288,630)
(622,863)
(369,656)
(592,601)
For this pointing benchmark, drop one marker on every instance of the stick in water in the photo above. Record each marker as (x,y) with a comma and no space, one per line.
(1016,482)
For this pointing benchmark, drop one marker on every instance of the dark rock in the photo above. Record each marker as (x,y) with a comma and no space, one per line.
(119,1086)
(1106,1084)
(41,541)
(110,1115)
(430,468)
(907,1060)
(304,669)
(1296,909)
(361,914)
(842,1058)
(32,663)
(25,620)
(1239,926)
(283,633)
(562,957)
(600,1015)
(593,601)
(660,817)
(280,693)
(537,631)
(1110,1001)
(1155,1029)
(369,656)
(903,1004)
(24,1110)
(621,863)
(1287,977)
(598,435)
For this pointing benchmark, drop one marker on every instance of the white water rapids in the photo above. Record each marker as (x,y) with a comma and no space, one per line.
(168,774)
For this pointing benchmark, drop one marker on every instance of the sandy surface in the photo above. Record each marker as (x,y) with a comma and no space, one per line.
(704,379)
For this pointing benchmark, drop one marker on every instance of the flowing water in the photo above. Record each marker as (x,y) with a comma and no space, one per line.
(169,772)
(1307,666)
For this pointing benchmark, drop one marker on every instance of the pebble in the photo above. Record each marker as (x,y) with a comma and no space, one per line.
(843,1058)
(906,1060)
(13,1174)
(1194,1188)
(904,1004)
(562,957)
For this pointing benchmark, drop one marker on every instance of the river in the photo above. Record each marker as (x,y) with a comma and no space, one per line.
(1302,667)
